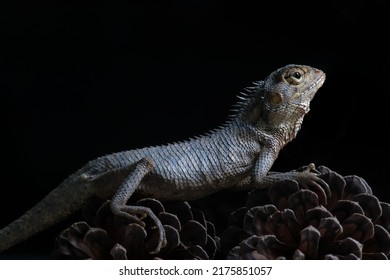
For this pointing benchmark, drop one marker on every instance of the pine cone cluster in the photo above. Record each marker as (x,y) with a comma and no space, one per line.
(286,221)
(189,235)
(289,222)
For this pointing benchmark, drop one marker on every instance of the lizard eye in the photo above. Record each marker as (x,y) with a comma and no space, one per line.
(294,76)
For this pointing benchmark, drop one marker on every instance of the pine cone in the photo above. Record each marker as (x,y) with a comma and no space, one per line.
(189,235)
(287,222)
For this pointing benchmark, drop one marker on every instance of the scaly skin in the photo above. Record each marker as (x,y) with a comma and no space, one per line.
(237,155)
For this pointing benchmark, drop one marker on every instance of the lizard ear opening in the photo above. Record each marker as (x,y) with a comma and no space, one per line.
(276,98)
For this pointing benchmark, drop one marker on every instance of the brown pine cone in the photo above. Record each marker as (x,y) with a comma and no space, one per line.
(287,222)
(189,235)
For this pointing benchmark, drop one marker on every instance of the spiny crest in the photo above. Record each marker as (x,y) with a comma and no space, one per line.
(245,97)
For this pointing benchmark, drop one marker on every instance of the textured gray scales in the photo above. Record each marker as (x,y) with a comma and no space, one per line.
(237,155)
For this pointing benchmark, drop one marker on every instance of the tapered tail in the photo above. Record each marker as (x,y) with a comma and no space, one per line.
(50,210)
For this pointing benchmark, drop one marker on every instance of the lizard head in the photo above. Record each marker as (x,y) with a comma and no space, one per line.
(287,94)
(290,87)
(280,102)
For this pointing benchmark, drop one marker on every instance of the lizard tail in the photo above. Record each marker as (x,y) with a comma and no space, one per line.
(50,210)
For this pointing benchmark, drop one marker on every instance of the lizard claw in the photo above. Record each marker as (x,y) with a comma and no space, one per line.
(308,179)
(129,212)
(162,240)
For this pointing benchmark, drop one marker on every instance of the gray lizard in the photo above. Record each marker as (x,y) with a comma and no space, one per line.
(237,155)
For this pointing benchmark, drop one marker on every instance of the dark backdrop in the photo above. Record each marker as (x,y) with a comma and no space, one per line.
(80,80)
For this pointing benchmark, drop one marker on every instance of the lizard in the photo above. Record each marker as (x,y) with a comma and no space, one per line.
(237,155)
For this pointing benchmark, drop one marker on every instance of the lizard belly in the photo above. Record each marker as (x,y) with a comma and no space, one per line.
(164,190)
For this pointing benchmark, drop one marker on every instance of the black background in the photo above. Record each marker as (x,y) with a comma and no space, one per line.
(80,80)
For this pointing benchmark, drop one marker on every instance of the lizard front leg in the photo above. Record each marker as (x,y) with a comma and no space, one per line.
(258,178)
(261,178)
(124,192)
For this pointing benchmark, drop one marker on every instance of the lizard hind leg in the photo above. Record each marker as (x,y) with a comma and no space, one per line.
(124,192)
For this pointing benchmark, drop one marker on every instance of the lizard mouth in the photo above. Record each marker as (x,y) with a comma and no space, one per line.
(318,83)
(304,108)
(312,89)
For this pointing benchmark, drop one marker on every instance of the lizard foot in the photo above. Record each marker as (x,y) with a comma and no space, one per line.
(307,178)
(129,211)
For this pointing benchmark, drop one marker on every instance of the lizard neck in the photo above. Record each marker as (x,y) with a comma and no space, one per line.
(285,130)
(281,125)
